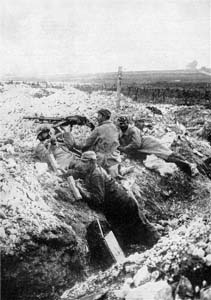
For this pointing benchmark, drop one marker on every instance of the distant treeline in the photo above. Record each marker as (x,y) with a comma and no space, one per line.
(37,84)
(171,93)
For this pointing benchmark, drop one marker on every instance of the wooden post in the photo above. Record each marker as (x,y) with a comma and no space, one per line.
(119,84)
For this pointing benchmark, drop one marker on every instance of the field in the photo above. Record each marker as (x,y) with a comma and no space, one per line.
(172,87)
(179,87)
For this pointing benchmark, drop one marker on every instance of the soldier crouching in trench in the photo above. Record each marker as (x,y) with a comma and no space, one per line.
(121,210)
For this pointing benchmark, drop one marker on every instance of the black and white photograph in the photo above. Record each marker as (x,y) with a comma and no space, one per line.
(105,149)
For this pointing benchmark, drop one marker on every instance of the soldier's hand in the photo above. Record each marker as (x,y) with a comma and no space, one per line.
(82,189)
(63,173)
(46,142)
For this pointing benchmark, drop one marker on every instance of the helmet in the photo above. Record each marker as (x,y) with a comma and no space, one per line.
(88,155)
(105,112)
(123,120)
(45,128)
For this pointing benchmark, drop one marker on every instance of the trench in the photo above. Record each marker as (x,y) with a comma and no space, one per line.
(49,267)
(55,261)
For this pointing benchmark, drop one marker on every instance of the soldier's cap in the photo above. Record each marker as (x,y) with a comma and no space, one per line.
(123,120)
(44,128)
(104,112)
(88,155)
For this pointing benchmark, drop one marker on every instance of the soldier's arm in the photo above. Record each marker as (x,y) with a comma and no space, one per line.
(76,173)
(97,192)
(135,141)
(200,132)
(91,140)
(41,151)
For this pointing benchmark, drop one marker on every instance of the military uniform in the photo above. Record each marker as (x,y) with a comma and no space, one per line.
(104,140)
(132,142)
(64,158)
(120,209)
(66,139)
(60,150)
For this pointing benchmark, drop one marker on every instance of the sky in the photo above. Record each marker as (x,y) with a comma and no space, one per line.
(49,37)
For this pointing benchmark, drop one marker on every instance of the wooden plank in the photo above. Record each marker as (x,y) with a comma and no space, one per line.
(112,245)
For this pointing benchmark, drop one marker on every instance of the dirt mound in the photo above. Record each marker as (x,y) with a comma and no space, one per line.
(184,252)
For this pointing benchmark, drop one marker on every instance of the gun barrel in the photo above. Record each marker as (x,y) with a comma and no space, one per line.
(49,119)
(63,121)
(30,118)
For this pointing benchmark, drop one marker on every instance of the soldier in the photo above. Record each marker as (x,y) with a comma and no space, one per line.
(104,140)
(122,211)
(48,144)
(133,143)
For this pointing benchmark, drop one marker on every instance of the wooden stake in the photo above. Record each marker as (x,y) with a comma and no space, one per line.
(119,84)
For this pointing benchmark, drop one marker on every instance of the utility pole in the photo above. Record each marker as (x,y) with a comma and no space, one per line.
(119,85)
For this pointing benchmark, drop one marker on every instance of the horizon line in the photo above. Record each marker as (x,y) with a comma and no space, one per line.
(108,72)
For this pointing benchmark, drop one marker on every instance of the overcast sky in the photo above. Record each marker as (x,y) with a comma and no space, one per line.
(66,36)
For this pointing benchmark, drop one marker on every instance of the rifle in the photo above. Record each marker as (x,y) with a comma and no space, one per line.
(62,122)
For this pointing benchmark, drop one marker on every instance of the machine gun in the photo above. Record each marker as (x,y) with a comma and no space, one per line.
(62,122)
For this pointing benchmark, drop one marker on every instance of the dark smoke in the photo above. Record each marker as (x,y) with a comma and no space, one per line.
(192,65)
